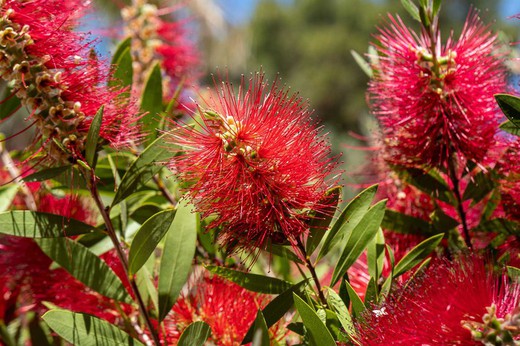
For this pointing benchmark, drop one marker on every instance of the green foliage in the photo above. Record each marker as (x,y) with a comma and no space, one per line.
(261,333)
(179,248)
(122,65)
(152,103)
(93,137)
(510,105)
(195,334)
(320,223)
(319,334)
(85,330)
(416,255)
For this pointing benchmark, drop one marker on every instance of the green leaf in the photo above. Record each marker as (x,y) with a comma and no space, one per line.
(358,239)
(93,137)
(31,224)
(341,310)
(509,127)
(357,304)
(261,332)
(275,310)
(320,335)
(417,254)
(85,266)
(348,220)
(443,222)
(498,225)
(7,194)
(436,7)
(376,255)
(122,70)
(510,105)
(9,104)
(85,330)
(282,251)
(514,273)
(178,252)
(405,224)
(428,182)
(46,174)
(195,335)
(152,103)
(362,63)
(252,282)
(480,186)
(412,9)
(143,168)
(147,238)
(320,223)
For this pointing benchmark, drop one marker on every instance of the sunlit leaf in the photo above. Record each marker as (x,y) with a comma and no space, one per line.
(320,335)
(195,335)
(252,282)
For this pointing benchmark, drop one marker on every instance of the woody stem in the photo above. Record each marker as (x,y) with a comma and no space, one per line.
(312,270)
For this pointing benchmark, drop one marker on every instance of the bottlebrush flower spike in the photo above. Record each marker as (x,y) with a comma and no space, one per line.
(58,78)
(157,40)
(226,307)
(444,307)
(432,105)
(256,161)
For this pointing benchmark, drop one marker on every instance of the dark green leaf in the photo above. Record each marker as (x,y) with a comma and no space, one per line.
(443,222)
(514,273)
(376,255)
(46,174)
(144,168)
(147,238)
(510,105)
(412,9)
(337,304)
(371,293)
(436,7)
(417,254)
(320,335)
(31,224)
(277,308)
(348,219)
(358,239)
(429,182)
(39,336)
(145,211)
(178,252)
(252,282)
(152,103)
(85,266)
(261,332)
(405,224)
(93,137)
(509,127)
(9,104)
(283,251)
(122,70)
(120,50)
(498,225)
(195,335)
(480,186)
(357,304)
(85,330)
(320,223)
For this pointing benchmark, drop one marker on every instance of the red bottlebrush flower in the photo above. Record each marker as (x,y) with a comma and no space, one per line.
(256,161)
(57,76)
(441,308)
(226,307)
(432,105)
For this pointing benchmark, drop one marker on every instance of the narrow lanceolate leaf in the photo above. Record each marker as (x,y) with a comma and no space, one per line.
(277,308)
(46,174)
(320,335)
(152,103)
(508,126)
(430,182)
(147,238)
(31,224)
(85,330)
(252,282)
(143,168)
(514,273)
(480,186)
(195,335)
(412,9)
(261,332)
(510,105)
(357,304)
(417,254)
(85,266)
(405,224)
(348,219)
(341,310)
(93,137)
(178,252)
(321,221)
(362,63)
(376,255)
(9,104)
(122,70)
(358,239)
